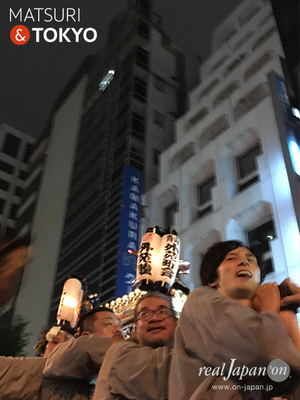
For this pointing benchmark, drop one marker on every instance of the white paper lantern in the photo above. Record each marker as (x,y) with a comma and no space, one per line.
(148,258)
(169,260)
(71,297)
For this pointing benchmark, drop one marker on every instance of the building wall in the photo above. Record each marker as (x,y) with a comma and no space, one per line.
(37,285)
(118,128)
(230,112)
(15,150)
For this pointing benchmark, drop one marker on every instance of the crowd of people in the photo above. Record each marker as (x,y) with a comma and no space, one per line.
(233,340)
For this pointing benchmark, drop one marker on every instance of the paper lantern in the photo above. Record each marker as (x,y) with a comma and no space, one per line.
(158,260)
(71,297)
(167,268)
(148,259)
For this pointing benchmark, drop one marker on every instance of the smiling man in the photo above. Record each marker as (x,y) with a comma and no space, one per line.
(140,370)
(230,330)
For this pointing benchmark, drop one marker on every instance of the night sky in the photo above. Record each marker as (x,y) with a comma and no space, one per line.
(32,75)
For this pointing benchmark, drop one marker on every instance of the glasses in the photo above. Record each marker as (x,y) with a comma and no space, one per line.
(162,313)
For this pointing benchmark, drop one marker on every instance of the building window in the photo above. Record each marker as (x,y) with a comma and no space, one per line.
(144,29)
(160,84)
(170,212)
(18,191)
(226,93)
(235,64)
(5,167)
(142,58)
(23,175)
(159,119)
(209,89)
(4,185)
(258,65)
(250,100)
(259,242)
(2,202)
(11,145)
(204,196)
(145,8)
(28,152)
(140,89)
(10,233)
(197,118)
(156,154)
(13,211)
(247,167)
(264,38)
(138,126)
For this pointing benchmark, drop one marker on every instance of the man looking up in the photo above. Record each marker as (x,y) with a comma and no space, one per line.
(70,366)
(232,325)
(140,370)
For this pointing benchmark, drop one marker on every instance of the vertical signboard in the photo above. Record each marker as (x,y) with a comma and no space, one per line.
(292,135)
(129,229)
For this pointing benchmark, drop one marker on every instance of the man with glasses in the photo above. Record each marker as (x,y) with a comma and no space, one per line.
(132,370)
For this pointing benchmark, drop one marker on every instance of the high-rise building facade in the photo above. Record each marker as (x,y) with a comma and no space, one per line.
(234,171)
(99,152)
(135,92)
(44,201)
(15,150)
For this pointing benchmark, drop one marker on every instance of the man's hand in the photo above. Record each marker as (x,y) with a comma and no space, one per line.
(295,297)
(267,298)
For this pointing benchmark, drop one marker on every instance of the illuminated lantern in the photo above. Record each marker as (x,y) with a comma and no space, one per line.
(167,268)
(72,296)
(148,259)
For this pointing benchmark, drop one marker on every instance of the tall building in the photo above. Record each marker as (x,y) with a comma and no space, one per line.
(99,152)
(15,150)
(44,202)
(134,94)
(234,170)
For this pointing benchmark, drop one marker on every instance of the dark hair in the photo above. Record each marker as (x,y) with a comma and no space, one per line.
(86,322)
(214,257)
(149,295)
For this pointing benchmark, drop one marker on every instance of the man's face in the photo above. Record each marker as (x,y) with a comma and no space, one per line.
(238,275)
(158,329)
(107,324)
(59,338)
